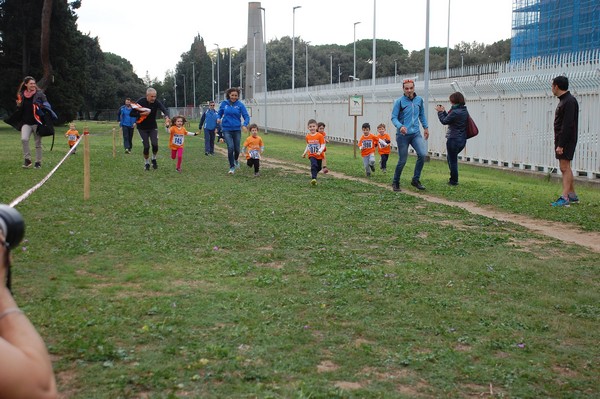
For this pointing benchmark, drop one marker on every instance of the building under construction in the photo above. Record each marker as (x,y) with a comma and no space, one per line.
(550,27)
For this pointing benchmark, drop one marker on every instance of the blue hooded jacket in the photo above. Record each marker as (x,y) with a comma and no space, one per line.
(231,114)
(408,112)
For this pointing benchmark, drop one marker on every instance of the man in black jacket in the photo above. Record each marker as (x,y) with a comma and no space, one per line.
(147,126)
(565,137)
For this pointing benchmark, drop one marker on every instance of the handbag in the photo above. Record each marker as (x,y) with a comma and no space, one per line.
(472,129)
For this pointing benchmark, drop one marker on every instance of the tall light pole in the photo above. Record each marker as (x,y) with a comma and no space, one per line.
(212,64)
(184,92)
(374,44)
(339,74)
(229,48)
(175,88)
(395,70)
(265,75)
(218,72)
(331,69)
(306,56)
(294,49)
(194,82)
(354,70)
(241,79)
(462,63)
(448,45)
(254,63)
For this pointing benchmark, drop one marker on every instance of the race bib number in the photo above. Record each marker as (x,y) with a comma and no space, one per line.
(313,148)
(72,137)
(178,139)
(367,144)
(254,154)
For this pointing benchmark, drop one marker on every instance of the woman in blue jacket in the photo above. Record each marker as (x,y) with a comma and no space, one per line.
(456,136)
(231,112)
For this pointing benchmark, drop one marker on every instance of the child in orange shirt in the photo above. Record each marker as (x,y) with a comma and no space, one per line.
(72,135)
(253,147)
(367,144)
(315,146)
(177,134)
(321,129)
(384,148)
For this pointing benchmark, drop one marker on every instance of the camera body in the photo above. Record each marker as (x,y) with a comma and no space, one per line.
(12,226)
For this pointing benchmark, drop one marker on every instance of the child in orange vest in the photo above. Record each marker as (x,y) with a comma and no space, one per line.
(384,146)
(176,140)
(315,146)
(367,143)
(253,147)
(72,135)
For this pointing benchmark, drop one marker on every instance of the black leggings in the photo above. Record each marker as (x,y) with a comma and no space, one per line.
(255,163)
(149,136)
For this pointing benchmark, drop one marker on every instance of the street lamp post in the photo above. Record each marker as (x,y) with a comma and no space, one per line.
(194,82)
(265,75)
(184,92)
(175,88)
(339,74)
(294,49)
(306,56)
(241,79)
(448,45)
(395,70)
(331,69)
(212,64)
(374,45)
(254,63)
(462,63)
(218,72)
(229,66)
(354,69)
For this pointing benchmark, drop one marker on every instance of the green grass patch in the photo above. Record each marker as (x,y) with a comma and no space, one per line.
(201,284)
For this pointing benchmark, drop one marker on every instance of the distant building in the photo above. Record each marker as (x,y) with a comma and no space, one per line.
(550,27)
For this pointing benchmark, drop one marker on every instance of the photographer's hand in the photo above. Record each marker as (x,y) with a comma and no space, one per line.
(25,367)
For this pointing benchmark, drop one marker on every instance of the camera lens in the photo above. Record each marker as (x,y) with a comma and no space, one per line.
(12,225)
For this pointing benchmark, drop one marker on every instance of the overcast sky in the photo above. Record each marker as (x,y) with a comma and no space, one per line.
(152,34)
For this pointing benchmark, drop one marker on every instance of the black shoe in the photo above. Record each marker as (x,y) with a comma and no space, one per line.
(396,187)
(27,163)
(147,166)
(452,183)
(154,164)
(38,165)
(206,153)
(417,184)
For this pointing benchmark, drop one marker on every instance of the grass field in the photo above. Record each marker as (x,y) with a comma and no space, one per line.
(201,284)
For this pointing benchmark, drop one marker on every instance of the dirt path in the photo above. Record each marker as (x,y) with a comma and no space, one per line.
(556,230)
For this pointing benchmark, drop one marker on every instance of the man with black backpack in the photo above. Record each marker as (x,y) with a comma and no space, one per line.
(407,113)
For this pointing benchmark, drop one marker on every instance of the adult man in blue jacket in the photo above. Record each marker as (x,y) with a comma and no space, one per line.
(408,112)
(208,121)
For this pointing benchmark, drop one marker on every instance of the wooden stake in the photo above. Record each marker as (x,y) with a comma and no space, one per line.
(86,163)
(355,143)
(114,143)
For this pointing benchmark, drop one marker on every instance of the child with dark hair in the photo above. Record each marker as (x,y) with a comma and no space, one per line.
(253,147)
(321,129)
(367,143)
(384,148)
(176,140)
(315,146)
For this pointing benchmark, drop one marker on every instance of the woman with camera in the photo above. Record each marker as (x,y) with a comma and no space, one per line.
(25,367)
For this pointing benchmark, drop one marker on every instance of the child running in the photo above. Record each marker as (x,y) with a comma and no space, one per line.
(367,144)
(315,146)
(253,147)
(72,135)
(321,129)
(177,133)
(383,147)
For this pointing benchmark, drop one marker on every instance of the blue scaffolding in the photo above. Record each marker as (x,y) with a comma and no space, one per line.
(551,27)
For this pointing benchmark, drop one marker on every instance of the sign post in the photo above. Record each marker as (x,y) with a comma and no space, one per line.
(355,109)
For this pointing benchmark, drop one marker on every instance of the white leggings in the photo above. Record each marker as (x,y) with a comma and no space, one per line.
(26,132)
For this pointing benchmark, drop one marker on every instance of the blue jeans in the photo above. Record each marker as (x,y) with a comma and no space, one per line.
(209,141)
(232,138)
(127,137)
(315,166)
(454,146)
(420,146)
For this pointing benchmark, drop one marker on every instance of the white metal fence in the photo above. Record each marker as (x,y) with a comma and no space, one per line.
(511,103)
